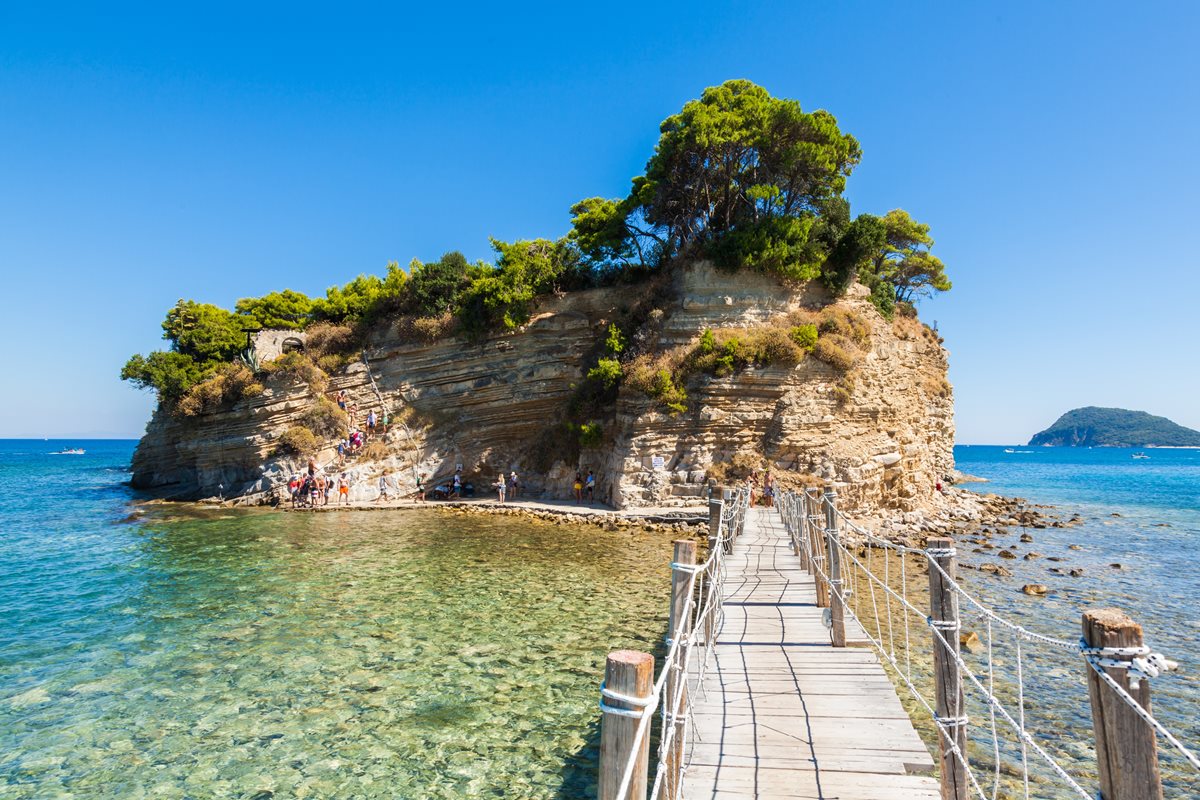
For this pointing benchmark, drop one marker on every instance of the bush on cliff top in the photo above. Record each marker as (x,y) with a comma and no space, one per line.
(777,174)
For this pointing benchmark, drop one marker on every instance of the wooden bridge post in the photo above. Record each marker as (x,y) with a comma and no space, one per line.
(682,585)
(950,706)
(792,520)
(837,607)
(1126,748)
(715,507)
(801,514)
(816,551)
(629,673)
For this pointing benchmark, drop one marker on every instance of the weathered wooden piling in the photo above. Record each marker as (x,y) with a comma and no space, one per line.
(682,583)
(1126,746)
(837,606)
(627,673)
(950,705)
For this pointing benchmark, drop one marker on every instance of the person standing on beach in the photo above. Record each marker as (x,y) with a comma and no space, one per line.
(500,486)
(578,488)
(514,486)
(590,485)
(343,490)
(383,489)
(421,486)
(456,484)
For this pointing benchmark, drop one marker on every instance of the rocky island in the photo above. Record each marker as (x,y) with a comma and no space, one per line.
(726,318)
(1115,427)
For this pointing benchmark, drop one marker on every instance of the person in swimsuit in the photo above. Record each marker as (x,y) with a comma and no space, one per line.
(343,490)
(578,488)
(500,486)
(341,399)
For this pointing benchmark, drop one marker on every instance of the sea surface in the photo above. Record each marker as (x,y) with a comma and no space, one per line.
(189,653)
(1136,545)
(261,654)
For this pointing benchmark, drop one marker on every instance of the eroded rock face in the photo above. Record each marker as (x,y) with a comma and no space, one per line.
(888,445)
(494,405)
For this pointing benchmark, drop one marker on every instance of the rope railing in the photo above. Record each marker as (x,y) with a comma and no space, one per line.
(696,616)
(866,581)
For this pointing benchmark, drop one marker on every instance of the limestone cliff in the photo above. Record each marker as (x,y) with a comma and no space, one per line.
(494,406)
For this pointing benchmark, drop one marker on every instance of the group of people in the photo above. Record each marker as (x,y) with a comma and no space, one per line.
(768,489)
(585,487)
(357,436)
(507,488)
(312,488)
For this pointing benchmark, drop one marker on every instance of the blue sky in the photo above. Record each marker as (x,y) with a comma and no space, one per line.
(150,153)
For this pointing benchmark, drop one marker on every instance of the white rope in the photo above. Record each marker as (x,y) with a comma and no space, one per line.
(1139,663)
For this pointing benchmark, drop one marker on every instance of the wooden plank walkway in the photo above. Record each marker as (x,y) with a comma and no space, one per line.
(780,712)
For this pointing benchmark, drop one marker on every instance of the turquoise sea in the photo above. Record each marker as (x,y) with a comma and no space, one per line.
(258,654)
(187,653)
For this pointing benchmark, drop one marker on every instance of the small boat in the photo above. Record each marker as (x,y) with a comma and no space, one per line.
(70,451)
(1009,450)
(1140,455)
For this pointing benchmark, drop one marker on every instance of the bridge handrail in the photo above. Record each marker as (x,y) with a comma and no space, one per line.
(702,611)
(799,523)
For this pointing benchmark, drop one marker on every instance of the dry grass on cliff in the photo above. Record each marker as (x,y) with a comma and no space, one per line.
(298,368)
(230,383)
(426,329)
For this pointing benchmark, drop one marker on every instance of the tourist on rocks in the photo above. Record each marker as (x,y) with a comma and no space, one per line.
(312,467)
(590,485)
(328,490)
(384,422)
(294,489)
(343,490)
(578,488)
(341,399)
(383,489)
(514,485)
(500,486)
(371,420)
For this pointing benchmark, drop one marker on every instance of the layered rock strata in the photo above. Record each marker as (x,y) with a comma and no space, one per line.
(498,406)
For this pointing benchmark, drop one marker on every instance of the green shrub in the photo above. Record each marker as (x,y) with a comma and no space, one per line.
(607,372)
(614,345)
(297,440)
(169,373)
(325,419)
(884,299)
(805,336)
(708,342)
(590,434)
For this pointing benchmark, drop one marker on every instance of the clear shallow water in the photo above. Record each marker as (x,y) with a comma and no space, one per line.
(261,654)
(1142,514)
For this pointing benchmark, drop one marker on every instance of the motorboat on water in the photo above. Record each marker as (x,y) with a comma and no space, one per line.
(1140,455)
(70,451)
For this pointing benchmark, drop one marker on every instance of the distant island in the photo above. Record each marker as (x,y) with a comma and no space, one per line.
(1115,427)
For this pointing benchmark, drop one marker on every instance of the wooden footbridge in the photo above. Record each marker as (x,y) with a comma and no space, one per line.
(771,686)
(782,713)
